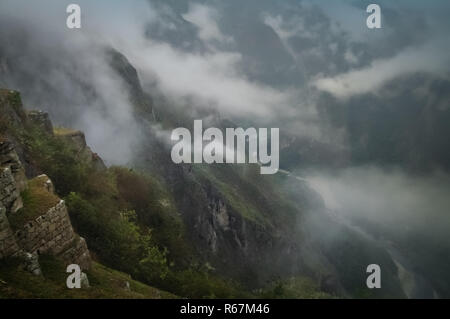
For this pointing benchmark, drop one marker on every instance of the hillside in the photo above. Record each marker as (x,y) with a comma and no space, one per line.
(36,235)
(104,282)
(204,231)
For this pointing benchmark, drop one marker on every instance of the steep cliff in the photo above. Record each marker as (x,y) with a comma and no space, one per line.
(37,240)
(38,224)
(196,231)
(257,229)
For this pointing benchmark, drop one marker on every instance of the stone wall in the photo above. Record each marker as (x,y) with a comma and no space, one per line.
(50,233)
(8,244)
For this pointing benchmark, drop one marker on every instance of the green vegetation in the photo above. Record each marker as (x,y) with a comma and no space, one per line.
(37,200)
(54,157)
(256,197)
(14,99)
(130,222)
(154,208)
(233,189)
(104,282)
(294,288)
(13,103)
(117,240)
(128,219)
(122,244)
(61,131)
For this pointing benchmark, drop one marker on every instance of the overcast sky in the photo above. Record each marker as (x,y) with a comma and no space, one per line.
(268,61)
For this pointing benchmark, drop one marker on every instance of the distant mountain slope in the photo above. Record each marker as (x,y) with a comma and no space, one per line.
(243,229)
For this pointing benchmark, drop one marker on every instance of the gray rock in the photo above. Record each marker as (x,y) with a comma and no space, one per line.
(9,193)
(42,120)
(32,263)
(84,281)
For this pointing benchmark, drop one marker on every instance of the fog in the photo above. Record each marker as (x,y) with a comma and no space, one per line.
(406,215)
(267,63)
(389,198)
(194,54)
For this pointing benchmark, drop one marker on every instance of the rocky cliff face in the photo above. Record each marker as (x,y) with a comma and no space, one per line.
(8,243)
(9,191)
(77,141)
(50,231)
(10,159)
(237,223)
(42,120)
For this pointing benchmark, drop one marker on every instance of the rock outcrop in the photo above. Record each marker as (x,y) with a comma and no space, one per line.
(9,192)
(11,107)
(8,243)
(27,235)
(42,120)
(77,141)
(10,159)
(48,233)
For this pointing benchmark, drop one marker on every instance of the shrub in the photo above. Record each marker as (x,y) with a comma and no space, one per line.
(118,240)
(54,157)
(36,202)
(155,209)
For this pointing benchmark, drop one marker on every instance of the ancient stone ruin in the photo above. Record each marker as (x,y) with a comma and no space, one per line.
(49,233)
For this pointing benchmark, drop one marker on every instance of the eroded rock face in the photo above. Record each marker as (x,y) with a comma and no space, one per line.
(77,140)
(11,107)
(8,244)
(84,281)
(12,178)
(9,158)
(32,263)
(50,233)
(42,120)
(220,214)
(9,191)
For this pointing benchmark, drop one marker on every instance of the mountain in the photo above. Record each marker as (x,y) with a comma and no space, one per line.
(37,238)
(363,118)
(230,228)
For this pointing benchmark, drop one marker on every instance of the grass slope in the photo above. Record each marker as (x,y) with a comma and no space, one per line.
(105,283)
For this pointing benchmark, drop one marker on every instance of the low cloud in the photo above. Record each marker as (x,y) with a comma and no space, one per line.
(388,197)
(210,80)
(431,58)
(205,19)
